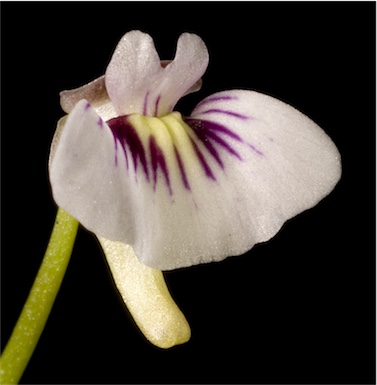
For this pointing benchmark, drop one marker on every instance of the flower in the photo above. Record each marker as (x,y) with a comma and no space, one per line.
(179,190)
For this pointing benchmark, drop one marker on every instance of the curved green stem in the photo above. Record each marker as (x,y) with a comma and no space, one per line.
(34,315)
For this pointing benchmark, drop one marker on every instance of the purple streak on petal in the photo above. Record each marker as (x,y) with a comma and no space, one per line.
(202,134)
(203,161)
(226,112)
(208,131)
(127,136)
(156,105)
(116,154)
(145,107)
(216,99)
(223,143)
(100,122)
(212,126)
(87,106)
(255,149)
(158,161)
(182,170)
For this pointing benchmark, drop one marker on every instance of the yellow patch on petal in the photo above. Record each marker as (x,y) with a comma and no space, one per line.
(170,147)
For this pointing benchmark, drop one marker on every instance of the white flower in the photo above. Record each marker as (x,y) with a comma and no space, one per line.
(183,190)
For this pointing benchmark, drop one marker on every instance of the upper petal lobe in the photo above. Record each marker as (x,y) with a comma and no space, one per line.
(138,83)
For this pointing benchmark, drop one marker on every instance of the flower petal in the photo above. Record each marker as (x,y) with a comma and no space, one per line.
(95,93)
(196,87)
(83,176)
(138,83)
(276,161)
(185,193)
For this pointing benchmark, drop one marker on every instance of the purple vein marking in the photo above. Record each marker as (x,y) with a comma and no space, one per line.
(182,170)
(223,143)
(158,161)
(127,136)
(156,105)
(116,153)
(145,106)
(255,149)
(212,126)
(100,122)
(226,112)
(208,139)
(202,160)
(202,134)
(208,133)
(216,99)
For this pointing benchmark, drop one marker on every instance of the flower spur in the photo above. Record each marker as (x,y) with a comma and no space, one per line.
(162,191)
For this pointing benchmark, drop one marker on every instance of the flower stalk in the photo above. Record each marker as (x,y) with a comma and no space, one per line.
(37,308)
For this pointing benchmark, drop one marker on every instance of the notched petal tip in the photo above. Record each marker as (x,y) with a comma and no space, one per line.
(189,64)
(138,82)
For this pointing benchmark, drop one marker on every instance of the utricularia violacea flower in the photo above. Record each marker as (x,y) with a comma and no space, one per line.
(176,190)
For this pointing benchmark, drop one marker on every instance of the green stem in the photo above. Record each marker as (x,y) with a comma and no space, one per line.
(32,320)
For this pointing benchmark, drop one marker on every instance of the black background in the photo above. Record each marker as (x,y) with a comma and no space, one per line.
(298,309)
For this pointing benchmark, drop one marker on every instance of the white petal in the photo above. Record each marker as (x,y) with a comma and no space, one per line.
(196,87)
(83,175)
(95,93)
(137,82)
(182,195)
(277,163)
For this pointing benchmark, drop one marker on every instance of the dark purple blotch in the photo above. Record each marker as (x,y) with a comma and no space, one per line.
(182,170)
(100,122)
(203,161)
(129,140)
(214,137)
(158,162)
(208,133)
